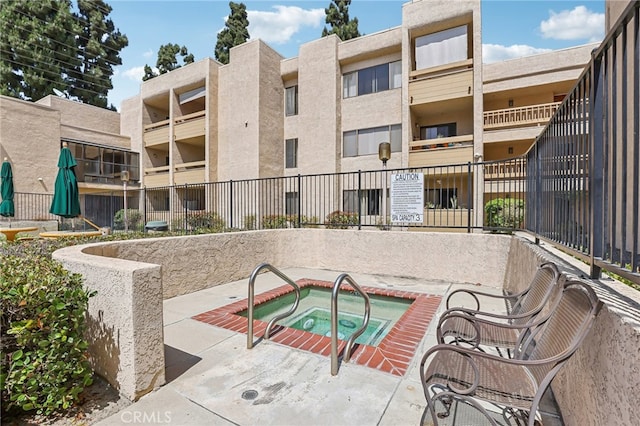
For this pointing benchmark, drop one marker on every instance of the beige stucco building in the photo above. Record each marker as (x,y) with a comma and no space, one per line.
(421,86)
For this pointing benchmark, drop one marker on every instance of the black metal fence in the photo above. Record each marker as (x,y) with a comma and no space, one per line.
(337,200)
(583,169)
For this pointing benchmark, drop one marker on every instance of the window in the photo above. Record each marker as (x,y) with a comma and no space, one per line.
(369,203)
(442,198)
(372,80)
(350,200)
(395,75)
(372,199)
(350,82)
(104,164)
(441,48)
(366,141)
(438,131)
(291,101)
(291,150)
(291,204)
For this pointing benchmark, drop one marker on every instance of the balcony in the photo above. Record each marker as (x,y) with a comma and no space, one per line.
(190,126)
(156,176)
(441,83)
(187,173)
(156,134)
(441,151)
(531,115)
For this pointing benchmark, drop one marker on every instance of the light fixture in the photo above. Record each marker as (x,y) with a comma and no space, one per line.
(384,152)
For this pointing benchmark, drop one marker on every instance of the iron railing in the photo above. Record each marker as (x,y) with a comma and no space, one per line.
(583,168)
(333,200)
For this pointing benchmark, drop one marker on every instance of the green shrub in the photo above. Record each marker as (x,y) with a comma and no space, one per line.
(341,220)
(134,220)
(250,222)
(205,220)
(44,363)
(275,221)
(504,213)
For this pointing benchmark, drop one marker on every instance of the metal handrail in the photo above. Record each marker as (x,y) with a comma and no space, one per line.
(334,321)
(252,281)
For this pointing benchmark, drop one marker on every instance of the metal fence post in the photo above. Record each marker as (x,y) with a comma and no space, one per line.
(299,200)
(537,175)
(596,142)
(359,200)
(469,195)
(231,203)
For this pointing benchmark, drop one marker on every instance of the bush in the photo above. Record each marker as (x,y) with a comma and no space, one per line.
(205,220)
(275,221)
(505,213)
(250,222)
(341,220)
(133,220)
(44,363)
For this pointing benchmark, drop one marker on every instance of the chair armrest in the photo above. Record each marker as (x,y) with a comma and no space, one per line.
(474,294)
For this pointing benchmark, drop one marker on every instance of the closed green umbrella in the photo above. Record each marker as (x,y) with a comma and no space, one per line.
(66,199)
(6,190)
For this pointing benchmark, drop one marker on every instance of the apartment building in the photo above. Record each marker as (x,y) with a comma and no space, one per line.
(421,86)
(31,135)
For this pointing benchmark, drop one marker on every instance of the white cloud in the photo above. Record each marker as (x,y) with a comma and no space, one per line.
(148,53)
(278,27)
(495,52)
(135,73)
(577,24)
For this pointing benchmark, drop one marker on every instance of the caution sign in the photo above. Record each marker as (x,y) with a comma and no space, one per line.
(407,198)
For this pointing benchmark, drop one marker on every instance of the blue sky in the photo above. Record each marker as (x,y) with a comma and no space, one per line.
(510,29)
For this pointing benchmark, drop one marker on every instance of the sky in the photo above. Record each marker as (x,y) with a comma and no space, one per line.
(510,29)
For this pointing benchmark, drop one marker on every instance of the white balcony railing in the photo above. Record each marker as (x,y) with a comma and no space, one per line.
(511,117)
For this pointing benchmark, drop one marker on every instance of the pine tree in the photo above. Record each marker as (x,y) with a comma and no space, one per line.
(99,46)
(37,47)
(168,60)
(337,15)
(44,45)
(235,32)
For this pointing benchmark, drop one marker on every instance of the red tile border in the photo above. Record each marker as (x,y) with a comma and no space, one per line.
(393,354)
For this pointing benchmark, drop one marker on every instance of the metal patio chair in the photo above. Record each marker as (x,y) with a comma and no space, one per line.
(526,310)
(483,382)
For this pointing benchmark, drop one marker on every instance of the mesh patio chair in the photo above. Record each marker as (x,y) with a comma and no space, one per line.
(484,382)
(528,309)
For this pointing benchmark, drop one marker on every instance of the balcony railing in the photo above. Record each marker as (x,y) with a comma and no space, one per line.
(156,133)
(156,176)
(189,126)
(188,173)
(441,151)
(522,116)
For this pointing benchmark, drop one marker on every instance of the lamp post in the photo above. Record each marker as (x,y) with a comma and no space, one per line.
(124,175)
(384,154)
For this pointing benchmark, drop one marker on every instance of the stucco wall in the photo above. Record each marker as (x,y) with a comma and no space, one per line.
(125,329)
(132,278)
(599,385)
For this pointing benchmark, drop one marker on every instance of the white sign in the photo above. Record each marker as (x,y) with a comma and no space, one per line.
(407,197)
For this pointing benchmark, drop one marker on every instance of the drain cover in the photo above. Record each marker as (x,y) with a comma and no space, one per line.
(250,394)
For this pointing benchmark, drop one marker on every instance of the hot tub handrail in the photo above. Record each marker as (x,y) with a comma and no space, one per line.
(252,281)
(334,321)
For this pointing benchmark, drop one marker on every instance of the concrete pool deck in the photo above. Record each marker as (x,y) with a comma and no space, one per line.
(213,379)
(208,370)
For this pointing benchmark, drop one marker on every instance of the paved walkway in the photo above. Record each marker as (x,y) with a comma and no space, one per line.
(213,379)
